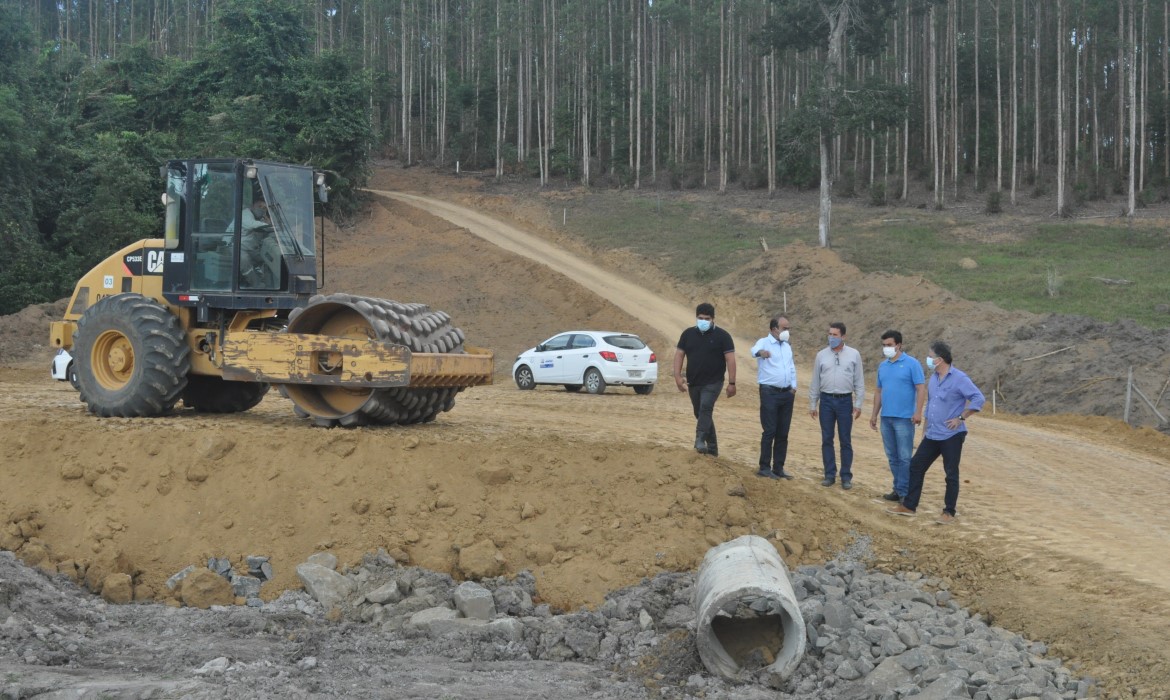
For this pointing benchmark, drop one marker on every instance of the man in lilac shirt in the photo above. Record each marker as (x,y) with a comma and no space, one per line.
(953,397)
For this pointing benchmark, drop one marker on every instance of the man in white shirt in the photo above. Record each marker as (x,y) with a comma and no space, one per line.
(777,380)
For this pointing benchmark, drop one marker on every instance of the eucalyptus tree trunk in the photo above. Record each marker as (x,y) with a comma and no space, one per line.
(639,19)
(1118,159)
(954,101)
(906,118)
(770,115)
(932,89)
(723,77)
(999,106)
(1015,107)
(404,78)
(655,58)
(838,24)
(1061,206)
(499,96)
(977,173)
(585,174)
(1038,96)
(1132,203)
(1076,140)
(1142,99)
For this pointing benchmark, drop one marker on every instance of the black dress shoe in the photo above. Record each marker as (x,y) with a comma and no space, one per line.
(782,474)
(892,496)
(846,484)
(766,474)
(701,446)
(828,481)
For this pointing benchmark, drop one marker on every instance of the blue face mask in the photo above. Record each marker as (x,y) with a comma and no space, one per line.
(703,325)
(835,342)
(929,362)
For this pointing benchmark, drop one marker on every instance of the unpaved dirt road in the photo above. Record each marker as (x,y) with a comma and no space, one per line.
(1060,490)
(1061,536)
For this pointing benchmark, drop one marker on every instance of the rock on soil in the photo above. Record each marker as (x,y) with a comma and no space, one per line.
(870,634)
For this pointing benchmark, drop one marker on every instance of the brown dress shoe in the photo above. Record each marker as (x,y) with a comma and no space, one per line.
(945,519)
(900,510)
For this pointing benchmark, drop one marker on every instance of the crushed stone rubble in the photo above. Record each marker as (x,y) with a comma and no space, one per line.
(379,627)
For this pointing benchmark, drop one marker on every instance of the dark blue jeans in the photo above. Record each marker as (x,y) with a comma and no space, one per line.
(775,419)
(837,411)
(898,438)
(951,450)
(703,401)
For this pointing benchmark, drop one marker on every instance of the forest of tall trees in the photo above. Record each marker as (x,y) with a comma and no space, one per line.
(1014,95)
(1065,100)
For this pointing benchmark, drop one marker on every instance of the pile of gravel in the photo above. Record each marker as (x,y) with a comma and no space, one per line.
(411,632)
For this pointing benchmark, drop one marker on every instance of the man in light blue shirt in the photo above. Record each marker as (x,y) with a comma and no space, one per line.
(897,402)
(953,398)
(777,380)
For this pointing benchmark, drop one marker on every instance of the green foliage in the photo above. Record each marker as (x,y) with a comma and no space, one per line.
(83,142)
(798,149)
(29,274)
(994,203)
(802,24)
(846,184)
(1014,273)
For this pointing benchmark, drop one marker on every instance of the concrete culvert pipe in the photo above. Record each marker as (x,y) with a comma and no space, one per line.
(748,620)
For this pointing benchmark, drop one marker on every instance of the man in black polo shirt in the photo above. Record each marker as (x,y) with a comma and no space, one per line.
(710,353)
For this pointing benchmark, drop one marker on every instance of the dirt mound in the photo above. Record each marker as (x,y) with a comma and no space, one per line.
(24,335)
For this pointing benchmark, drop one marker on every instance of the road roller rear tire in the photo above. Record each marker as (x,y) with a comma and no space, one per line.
(131,357)
(215,395)
(412,325)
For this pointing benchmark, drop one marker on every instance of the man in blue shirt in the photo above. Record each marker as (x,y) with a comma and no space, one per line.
(777,380)
(953,398)
(901,391)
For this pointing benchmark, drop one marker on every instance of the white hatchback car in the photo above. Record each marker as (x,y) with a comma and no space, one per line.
(590,359)
(62,368)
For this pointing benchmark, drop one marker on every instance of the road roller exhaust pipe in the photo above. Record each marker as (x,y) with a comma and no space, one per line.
(748,619)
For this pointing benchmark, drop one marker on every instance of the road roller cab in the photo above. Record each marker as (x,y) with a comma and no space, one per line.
(225,304)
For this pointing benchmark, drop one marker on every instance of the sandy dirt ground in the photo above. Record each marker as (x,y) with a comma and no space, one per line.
(1062,527)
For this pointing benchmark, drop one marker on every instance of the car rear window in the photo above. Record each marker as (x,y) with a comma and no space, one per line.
(625,342)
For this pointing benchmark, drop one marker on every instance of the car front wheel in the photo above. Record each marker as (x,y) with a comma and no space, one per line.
(594,383)
(524,378)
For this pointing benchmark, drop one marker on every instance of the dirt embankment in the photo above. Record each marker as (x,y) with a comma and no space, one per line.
(1061,527)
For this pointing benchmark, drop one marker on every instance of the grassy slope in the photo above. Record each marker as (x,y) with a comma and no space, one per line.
(1030,263)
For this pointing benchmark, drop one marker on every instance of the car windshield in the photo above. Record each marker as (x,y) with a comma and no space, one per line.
(625,342)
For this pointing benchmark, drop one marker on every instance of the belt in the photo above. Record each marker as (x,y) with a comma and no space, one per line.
(780,388)
(835,395)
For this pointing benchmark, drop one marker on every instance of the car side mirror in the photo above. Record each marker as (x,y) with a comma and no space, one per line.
(540,348)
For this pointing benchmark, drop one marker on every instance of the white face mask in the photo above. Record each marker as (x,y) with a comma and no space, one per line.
(889,351)
(930,363)
(783,337)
